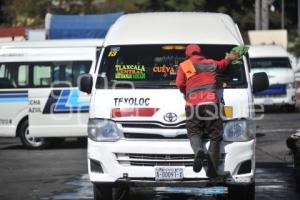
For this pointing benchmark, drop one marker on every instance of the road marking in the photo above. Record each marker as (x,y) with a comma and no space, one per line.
(284,130)
(193,191)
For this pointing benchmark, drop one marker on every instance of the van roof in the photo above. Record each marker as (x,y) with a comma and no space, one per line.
(260,51)
(52,43)
(173,28)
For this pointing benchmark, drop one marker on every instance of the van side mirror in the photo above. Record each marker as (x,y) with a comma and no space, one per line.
(260,82)
(85,83)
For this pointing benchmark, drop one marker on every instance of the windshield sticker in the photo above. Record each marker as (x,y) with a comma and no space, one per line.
(130,72)
(113,51)
(164,69)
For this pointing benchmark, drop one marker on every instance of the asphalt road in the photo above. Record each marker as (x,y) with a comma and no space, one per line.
(60,173)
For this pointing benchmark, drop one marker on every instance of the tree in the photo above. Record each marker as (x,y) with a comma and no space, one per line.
(29,12)
(170,5)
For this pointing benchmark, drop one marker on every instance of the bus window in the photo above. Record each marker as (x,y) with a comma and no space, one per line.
(14,75)
(42,75)
(23,75)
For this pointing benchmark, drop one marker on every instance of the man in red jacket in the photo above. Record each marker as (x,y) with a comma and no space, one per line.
(196,79)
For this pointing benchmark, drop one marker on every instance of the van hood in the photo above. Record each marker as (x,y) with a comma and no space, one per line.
(166,106)
(277,75)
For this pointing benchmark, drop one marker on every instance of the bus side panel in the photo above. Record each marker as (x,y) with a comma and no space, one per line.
(58,112)
(13,107)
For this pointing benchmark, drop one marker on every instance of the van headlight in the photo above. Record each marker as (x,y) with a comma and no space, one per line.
(239,131)
(290,86)
(101,130)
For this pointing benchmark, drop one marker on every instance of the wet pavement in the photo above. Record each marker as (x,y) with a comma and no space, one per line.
(60,173)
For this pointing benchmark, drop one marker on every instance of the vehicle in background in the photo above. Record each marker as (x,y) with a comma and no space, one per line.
(274,60)
(136,130)
(38,89)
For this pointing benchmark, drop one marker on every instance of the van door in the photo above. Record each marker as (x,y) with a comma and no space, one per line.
(56,106)
(13,96)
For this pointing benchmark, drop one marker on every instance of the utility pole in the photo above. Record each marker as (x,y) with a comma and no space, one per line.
(298,18)
(257,14)
(265,15)
(282,14)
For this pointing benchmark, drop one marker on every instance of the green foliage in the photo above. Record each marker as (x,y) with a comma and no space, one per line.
(295,49)
(29,12)
(32,12)
(170,5)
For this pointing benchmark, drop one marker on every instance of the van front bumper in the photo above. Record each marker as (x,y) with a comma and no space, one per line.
(121,161)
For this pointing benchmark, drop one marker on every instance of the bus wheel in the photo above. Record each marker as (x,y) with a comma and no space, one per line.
(28,140)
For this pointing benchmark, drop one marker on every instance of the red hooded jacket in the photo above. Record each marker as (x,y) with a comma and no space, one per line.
(202,78)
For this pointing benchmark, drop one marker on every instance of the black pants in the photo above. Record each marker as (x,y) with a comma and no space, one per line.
(205,119)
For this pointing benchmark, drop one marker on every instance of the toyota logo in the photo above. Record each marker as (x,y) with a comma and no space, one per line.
(170,117)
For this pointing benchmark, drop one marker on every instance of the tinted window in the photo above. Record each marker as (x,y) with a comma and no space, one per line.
(156,65)
(42,74)
(14,75)
(270,63)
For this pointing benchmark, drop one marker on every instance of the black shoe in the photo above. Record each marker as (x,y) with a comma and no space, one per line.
(198,161)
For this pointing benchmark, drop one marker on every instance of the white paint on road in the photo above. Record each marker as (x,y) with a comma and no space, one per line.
(209,191)
(277,130)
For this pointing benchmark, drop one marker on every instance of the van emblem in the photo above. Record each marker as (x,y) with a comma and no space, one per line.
(170,117)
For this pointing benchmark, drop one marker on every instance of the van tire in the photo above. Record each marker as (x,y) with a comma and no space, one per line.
(31,142)
(241,192)
(102,191)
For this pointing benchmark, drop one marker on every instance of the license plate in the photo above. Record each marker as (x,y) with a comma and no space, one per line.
(162,173)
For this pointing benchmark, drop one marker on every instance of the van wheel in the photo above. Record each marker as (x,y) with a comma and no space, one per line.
(241,192)
(102,191)
(29,141)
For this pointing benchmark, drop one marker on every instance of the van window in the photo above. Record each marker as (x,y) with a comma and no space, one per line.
(54,73)
(14,75)
(23,75)
(156,65)
(42,74)
(270,62)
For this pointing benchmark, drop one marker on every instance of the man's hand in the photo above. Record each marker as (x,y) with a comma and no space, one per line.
(232,56)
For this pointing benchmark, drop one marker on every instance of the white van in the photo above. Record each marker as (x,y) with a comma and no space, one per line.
(38,87)
(136,132)
(274,60)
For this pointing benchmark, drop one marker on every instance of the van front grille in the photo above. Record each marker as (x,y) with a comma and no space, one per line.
(151,124)
(152,136)
(155,159)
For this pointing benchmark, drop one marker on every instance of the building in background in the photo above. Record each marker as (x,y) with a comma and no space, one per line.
(12,34)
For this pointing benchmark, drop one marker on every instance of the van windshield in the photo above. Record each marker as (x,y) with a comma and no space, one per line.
(257,63)
(155,66)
